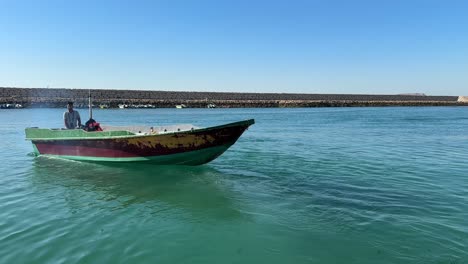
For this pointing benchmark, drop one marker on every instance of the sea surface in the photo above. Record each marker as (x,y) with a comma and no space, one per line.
(306,185)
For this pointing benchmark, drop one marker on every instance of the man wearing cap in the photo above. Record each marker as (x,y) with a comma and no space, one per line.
(71,118)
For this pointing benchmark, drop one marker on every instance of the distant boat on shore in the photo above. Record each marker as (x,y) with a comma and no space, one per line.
(211,106)
(180,106)
(11,106)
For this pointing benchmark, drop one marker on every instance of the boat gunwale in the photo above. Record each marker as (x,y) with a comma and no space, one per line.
(247,123)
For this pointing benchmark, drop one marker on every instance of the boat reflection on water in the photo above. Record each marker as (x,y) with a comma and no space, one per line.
(195,190)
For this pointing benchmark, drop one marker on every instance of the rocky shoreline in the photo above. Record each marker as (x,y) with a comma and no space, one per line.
(57,97)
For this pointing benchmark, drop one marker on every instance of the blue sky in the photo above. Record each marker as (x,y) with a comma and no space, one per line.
(370,47)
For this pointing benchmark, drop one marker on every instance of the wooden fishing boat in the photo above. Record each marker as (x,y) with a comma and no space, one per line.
(174,145)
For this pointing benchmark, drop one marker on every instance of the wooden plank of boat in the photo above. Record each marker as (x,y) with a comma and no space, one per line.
(188,147)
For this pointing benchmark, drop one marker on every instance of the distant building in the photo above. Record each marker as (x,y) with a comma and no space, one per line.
(413,94)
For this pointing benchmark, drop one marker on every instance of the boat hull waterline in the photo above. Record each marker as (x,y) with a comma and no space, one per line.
(192,147)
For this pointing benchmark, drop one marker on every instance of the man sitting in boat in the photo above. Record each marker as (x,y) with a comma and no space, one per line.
(71,118)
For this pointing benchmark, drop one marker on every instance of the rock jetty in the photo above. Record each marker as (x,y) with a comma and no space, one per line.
(57,97)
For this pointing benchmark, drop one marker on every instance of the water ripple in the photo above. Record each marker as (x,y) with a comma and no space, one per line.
(336,185)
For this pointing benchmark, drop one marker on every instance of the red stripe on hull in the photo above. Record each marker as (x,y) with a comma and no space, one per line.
(70,150)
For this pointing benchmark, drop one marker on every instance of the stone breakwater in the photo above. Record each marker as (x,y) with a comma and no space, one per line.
(57,97)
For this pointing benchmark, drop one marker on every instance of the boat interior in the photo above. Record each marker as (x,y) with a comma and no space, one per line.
(148,130)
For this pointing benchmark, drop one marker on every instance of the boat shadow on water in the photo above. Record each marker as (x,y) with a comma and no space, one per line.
(199,191)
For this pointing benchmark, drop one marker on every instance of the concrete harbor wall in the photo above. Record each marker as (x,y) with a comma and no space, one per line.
(57,97)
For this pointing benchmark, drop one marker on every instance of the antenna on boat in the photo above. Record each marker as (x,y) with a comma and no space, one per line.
(90,106)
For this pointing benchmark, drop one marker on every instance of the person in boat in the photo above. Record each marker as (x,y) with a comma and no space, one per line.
(71,118)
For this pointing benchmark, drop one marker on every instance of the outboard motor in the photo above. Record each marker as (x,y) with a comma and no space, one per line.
(92,125)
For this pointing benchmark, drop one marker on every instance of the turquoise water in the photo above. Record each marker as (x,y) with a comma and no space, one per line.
(325,185)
